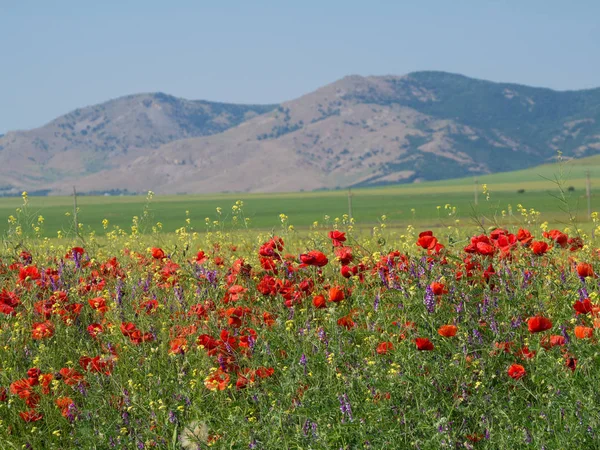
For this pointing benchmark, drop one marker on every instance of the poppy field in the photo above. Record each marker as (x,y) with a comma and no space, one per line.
(330,338)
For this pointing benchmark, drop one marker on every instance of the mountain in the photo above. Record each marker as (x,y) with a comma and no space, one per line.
(101,137)
(357,131)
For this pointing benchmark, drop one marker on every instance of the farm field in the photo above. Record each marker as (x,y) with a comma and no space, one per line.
(414,204)
(319,340)
(226,337)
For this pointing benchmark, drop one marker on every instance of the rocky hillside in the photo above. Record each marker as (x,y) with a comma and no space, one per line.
(358,131)
(101,137)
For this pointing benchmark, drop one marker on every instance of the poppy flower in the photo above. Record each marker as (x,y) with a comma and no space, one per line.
(64,404)
(157,253)
(218,380)
(336,294)
(583,306)
(423,344)
(438,288)
(525,353)
(582,332)
(447,330)
(314,258)
(337,238)
(42,330)
(70,376)
(554,340)
(557,236)
(585,270)
(99,304)
(485,249)
(384,347)
(346,271)
(344,255)
(524,236)
(539,247)
(201,257)
(346,322)
(319,301)
(31,415)
(178,346)
(265,372)
(538,324)
(427,240)
(516,371)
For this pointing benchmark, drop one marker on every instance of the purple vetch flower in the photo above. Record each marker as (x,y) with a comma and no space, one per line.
(477,335)
(253,444)
(376,302)
(345,408)
(179,295)
(172,417)
(563,331)
(383,279)
(303,362)
(140,445)
(429,300)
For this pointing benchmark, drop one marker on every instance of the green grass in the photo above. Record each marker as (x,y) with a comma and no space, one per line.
(303,208)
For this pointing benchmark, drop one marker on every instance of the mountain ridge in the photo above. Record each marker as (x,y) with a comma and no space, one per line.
(356,131)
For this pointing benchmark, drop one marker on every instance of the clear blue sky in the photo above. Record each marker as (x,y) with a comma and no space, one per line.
(58,55)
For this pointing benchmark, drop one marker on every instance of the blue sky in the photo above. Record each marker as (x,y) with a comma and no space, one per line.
(62,54)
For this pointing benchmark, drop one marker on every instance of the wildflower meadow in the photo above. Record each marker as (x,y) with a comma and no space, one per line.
(332,337)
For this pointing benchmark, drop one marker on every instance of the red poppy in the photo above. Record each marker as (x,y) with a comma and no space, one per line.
(447,330)
(524,236)
(336,294)
(99,304)
(538,324)
(539,247)
(583,306)
(423,344)
(319,301)
(554,340)
(344,255)
(31,415)
(384,347)
(314,258)
(525,353)
(337,238)
(64,403)
(42,330)
(178,346)
(438,288)
(582,332)
(346,322)
(516,371)
(485,249)
(201,257)
(157,253)
(427,240)
(557,236)
(585,270)
(218,380)
(70,376)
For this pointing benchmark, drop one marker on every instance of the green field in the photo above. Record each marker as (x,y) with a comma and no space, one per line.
(303,208)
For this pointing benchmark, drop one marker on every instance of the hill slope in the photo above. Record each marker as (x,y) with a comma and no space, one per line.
(362,131)
(101,137)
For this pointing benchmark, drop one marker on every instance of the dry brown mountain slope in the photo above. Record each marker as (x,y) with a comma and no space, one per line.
(358,131)
(102,137)
(321,140)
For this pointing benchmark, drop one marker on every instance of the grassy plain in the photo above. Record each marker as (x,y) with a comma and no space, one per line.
(402,204)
